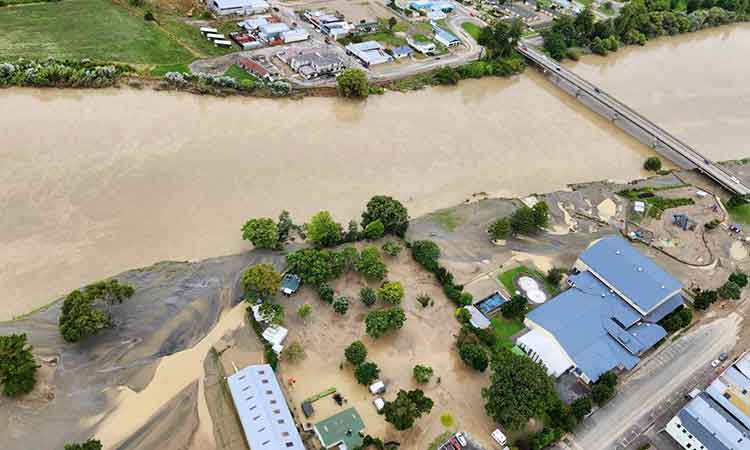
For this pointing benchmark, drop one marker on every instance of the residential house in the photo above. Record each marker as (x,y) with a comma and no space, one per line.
(369,52)
(445,38)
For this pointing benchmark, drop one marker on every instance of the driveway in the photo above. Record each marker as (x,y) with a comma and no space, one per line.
(655,386)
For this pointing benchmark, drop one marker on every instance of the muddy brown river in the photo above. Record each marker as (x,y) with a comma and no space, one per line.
(96,182)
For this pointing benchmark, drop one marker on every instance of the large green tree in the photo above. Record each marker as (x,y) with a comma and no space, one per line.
(353,83)
(389,211)
(263,232)
(91,444)
(366,373)
(371,265)
(520,389)
(323,231)
(383,321)
(261,280)
(500,39)
(315,266)
(407,408)
(356,353)
(17,365)
(111,292)
(79,319)
(391,293)
(426,253)
(474,355)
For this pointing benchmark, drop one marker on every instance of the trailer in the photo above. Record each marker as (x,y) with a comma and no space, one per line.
(223,43)
(215,36)
(207,30)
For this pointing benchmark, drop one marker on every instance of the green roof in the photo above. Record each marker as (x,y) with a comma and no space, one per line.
(334,429)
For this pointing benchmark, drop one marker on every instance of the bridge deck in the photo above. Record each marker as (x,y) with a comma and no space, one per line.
(663,138)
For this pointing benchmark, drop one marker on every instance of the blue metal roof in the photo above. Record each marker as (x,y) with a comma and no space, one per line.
(596,327)
(629,272)
(712,425)
(444,34)
(665,308)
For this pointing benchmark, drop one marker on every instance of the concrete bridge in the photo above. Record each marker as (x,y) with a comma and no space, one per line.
(632,122)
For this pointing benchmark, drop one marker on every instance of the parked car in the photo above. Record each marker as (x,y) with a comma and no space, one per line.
(715,363)
(455,443)
(499,437)
(723,356)
(461,439)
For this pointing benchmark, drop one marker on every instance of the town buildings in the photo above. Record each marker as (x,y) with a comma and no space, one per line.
(225,7)
(312,62)
(369,52)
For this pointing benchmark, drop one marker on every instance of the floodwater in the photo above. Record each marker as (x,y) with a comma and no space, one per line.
(694,85)
(97,182)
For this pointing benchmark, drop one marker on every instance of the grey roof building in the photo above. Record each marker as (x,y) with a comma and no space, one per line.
(717,419)
(606,319)
(262,409)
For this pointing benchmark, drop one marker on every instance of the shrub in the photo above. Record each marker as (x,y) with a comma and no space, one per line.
(391,293)
(422,374)
(383,321)
(581,407)
(426,253)
(424,300)
(463,315)
(340,305)
(374,230)
(555,275)
(356,353)
(474,356)
(149,16)
(653,163)
(353,83)
(323,231)
(446,75)
(729,290)
(465,299)
(515,308)
(304,311)
(272,312)
(704,299)
(205,15)
(367,296)
(366,373)
(263,233)
(500,229)
(294,352)
(370,265)
(325,292)
(738,278)
(91,444)
(391,248)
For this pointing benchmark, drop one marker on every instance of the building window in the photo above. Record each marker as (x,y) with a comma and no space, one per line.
(280,421)
(264,381)
(269,392)
(290,444)
(277,411)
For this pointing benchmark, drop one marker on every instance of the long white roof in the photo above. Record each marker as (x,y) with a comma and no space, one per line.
(263,411)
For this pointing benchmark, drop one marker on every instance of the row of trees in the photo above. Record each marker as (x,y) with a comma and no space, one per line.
(523,221)
(638,21)
(427,253)
(731,289)
(60,73)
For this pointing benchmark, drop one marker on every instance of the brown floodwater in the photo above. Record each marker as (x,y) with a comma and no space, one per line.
(97,182)
(694,85)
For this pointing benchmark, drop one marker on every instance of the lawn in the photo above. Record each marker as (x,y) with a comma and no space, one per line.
(473,29)
(504,329)
(740,214)
(192,37)
(419,37)
(96,29)
(160,71)
(239,74)
(507,277)
(447,219)
(387,38)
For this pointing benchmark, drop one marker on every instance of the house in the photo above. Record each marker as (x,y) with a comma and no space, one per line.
(330,25)
(425,48)
(342,430)
(273,31)
(313,62)
(445,38)
(477,320)
(607,318)
(255,68)
(225,7)
(369,52)
(436,15)
(296,35)
(402,52)
(262,409)
(719,417)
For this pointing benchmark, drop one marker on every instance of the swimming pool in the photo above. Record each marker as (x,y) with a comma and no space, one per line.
(490,304)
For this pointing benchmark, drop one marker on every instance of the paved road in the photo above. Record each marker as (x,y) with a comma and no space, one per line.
(655,386)
(662,139)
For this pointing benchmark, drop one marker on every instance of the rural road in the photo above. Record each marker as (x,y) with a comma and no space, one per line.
(662,379)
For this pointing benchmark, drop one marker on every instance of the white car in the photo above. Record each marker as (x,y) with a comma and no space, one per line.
(715,363)
(499,437)
(461,439)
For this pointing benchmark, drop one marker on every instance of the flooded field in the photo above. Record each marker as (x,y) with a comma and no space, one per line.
(96,182)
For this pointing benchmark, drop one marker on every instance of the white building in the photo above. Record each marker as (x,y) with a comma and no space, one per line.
(264,414)
(296,35)
(424,48)
(225,7)
(369,52)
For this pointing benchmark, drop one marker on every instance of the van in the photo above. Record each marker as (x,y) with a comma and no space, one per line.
(377,387)
(499,437)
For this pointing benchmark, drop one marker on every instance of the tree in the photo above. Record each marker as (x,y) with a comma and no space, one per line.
(370,265)
(314,266)
(272,312)
(540,213)
(294,352)
(304,311)
(561,417)
(366,373)
(474,356)
(524,221)
(323,231)
(391,293)
(17,365)
(604,388)
(653,163)
(599,46)
(91,444)
(407,408)
(374,230)
(422,374)
(79,319)
(739,278)
(500,229)
(426,253)
(463,315)
(261,280)
(284,227)
(555,45)
(519,390)
(340,305)
(515,308)
(500,39)
(391,248)
(353,83)
(389,211)
(581,407)
(693,5)
(352,232)
(392,22)
(346,259)
(367,296)
(263,232)
(356,353)
(729,290)
(325,292)
(704,299)
(383,321)
(555,275)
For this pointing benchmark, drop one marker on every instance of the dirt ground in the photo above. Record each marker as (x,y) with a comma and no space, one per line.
(353,10)
(426,338)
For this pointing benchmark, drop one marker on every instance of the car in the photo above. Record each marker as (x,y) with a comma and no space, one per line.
(715,363)
(455,443)
(723,356)
(733,178)
(499,437)
(461,439)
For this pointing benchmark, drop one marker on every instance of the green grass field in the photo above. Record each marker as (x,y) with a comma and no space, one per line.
(740,214)
(472,29)
(504,329)
(239,74)
(96,29)
(447,219)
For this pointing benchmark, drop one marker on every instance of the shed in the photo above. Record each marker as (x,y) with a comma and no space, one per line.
(307,409)
(478,320)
